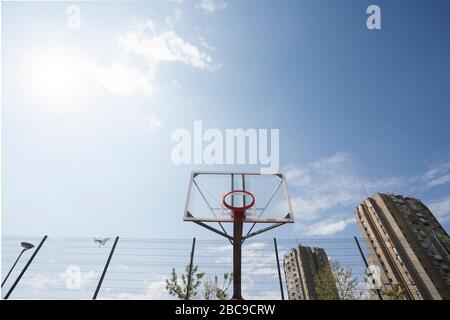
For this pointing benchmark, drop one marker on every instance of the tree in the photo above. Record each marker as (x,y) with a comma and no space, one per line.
(325,285)
(346,283)
(179,290)
(214,290)
(442,237)
(395,293)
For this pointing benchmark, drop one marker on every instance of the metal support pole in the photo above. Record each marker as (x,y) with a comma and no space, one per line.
(188,289)
(367,265)
(278,266)
(243,188)
(105,269)
(206,226)
(25,268)
(237,258)
(232,189)
(238,226)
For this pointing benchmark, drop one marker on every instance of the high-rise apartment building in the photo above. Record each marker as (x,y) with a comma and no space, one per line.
(408,244)
(301,266)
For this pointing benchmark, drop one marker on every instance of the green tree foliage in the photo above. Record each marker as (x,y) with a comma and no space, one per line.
(208,289)
(336,282)
(395,293)
(443,238)
(212,289)
(325,285)
(178,288)
(346,283)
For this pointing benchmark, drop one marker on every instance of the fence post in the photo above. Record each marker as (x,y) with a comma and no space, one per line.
(367,265)
(105,269)
(188,289)
(25,268)
(278,266)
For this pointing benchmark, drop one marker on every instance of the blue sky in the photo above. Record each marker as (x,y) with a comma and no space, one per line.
(87,115)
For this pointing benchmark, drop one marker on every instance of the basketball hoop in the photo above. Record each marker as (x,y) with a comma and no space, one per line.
(239,212)
(254,195)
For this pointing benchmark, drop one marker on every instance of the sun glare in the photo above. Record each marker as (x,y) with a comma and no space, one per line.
(53,74)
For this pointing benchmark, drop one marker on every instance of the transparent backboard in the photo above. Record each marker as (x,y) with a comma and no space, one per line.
(204,201)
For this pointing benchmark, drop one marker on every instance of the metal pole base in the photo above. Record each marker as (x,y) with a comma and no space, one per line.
(237,255)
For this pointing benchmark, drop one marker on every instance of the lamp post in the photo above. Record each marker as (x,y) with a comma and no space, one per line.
(26,246)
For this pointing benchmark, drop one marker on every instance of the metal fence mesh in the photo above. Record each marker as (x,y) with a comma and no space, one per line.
(70,268)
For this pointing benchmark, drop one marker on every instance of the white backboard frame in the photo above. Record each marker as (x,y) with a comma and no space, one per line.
(208,217)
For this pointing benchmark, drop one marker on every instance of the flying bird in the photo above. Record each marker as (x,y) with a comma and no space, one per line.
(101,241)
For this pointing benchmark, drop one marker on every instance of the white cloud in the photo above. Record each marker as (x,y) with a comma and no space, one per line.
(334,184)
(441,208)
(204,44)
(327,227)
(145,50)
(177,13)
(156,290)
(439,181)
(437,174)
(259,267)
(40,282)
(211,6)
(79,280)
(71,279)
(155,48)
(123,79)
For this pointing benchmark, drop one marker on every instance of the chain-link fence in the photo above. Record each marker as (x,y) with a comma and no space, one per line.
(81,268)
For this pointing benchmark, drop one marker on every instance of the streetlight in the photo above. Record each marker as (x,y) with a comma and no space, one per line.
(26,246)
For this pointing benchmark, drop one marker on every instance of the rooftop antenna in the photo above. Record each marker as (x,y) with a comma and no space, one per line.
(364,190)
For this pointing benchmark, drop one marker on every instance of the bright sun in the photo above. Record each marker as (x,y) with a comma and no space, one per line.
(53,74)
